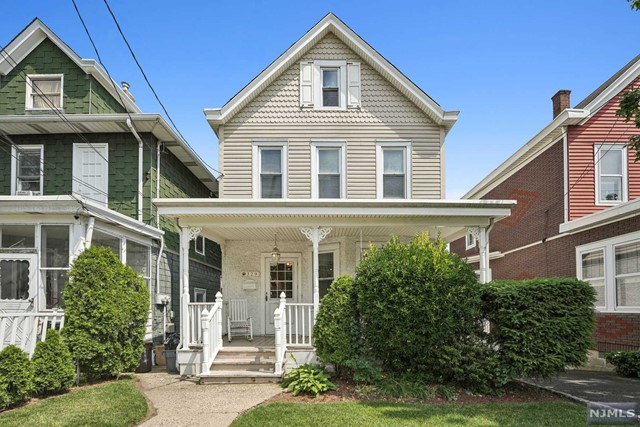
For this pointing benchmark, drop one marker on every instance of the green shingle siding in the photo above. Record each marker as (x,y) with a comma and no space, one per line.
(46,58)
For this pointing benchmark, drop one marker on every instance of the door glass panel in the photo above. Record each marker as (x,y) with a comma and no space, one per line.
(55,246)
(281,279)
(18,236)
(14,279)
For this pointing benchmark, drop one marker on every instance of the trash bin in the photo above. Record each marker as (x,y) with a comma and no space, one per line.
(170,357)
(146,359)
(160,361)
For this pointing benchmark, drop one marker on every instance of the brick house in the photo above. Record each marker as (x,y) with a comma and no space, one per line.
(79,166)
(578,213)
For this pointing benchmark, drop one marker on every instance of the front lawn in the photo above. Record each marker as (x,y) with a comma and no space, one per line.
(392,414)
(114,404)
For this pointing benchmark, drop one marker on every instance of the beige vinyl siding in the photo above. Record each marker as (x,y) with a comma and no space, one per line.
(385,115)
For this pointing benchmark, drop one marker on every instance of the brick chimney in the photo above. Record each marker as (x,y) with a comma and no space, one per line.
(561,101)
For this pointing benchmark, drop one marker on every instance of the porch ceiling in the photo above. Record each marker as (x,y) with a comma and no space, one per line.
(239,219)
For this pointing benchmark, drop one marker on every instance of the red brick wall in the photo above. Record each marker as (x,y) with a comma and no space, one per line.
(618,332)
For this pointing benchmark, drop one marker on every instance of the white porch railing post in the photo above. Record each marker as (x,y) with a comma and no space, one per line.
(206,341)
(316,235)
(219,325)
(280,324)
(186,235)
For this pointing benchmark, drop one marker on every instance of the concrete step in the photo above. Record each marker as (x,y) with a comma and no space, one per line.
(239,377)
(240,366)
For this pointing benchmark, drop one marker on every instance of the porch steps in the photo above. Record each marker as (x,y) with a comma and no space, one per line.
(242,365)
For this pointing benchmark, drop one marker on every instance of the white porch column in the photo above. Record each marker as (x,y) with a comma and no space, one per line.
(316,234)
(483,244)
(186,235)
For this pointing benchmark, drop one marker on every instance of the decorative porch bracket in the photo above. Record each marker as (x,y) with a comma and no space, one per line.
(316,235)
(187,234)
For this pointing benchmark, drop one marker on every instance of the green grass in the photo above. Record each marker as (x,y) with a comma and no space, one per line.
(388,414)
(114,404)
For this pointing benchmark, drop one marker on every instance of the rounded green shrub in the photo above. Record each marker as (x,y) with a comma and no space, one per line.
(627,363)
(417,303)
(106,308)
(16,377)
(53,367)
(337,333)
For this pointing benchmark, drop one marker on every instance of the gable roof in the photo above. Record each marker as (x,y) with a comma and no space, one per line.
(582,112)
(331,24)
(36,32)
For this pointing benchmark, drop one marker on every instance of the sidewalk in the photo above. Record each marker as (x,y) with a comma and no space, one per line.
(594,386)
(179,402)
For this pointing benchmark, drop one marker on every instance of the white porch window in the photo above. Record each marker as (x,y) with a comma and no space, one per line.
(199,245)
(138,258)
(328,266)
(44,91)
(27,170)
(612,266)
(611,174)
(270,170)
(328,165)
(91,171)
(54,262)
(393,164)
(17,236)
(199,295)
(108,240)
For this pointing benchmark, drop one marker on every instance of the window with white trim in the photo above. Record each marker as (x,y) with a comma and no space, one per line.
(54,262)
(329,84)
(27,170)
(393,164)
(199,245)
(470,241)
(199,295)
(328,164)
(269,170)
(611,173)
(612,267)
(328,266)
(44,91)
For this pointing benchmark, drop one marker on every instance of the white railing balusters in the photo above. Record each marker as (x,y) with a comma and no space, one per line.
(24,330)
(195,310)
(300,323)
(211,332)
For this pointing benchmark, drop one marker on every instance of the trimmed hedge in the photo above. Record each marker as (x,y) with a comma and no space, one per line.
(53,367)
(540,326)
(106,308)
(16,377)
(627,363)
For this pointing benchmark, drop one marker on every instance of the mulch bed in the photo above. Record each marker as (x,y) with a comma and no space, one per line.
(347,392)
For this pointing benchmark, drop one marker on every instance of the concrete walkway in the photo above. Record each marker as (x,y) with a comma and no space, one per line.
(595,386)
(179,402)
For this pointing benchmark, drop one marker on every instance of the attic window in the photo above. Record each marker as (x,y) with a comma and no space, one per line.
(44,91)
(329,85)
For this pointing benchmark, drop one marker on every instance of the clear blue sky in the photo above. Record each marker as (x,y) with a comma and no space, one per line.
(498,62)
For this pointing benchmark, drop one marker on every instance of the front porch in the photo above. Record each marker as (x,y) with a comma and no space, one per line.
(281,257)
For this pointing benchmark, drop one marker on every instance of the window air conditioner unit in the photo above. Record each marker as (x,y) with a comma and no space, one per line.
(27,193)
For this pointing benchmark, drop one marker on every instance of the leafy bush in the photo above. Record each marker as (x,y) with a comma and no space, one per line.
(415,301)
(540,326)
(16,377)
(627,363)
(310,379)
(106,307)
(53,367)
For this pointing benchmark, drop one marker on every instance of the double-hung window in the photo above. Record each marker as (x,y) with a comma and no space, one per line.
(612,267)
(393,160)
(330,87)
(44,91)
(54,262)
(611,173)
(27,170)
(327,169)
(269,170)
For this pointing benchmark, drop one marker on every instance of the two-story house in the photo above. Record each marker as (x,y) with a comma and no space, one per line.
(327,150)
(80,165)
(578,215)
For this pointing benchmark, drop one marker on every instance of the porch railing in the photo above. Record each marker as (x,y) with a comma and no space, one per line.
(24,330)
(195,324)
(211,330)
(280,324)
(301,321)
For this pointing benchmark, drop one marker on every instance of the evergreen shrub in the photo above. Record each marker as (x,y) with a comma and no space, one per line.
(16,377)
(53,367)
(627,363)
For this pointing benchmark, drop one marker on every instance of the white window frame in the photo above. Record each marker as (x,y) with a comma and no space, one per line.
(342,83)
(199,291)
(316,146)
(332,248)
(28,103)
(43,270)
(608,246)
(256,166)
(195,245)
(380,147)
(14,165)
(605,148)
(76,172)
(470,241)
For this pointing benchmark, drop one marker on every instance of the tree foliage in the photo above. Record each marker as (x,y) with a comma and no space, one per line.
(630,111)
(635,4)
(106,307)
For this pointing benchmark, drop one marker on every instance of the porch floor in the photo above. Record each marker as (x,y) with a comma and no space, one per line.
(259,341)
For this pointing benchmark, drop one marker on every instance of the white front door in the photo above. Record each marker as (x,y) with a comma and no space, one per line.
(281,276)
(18,282)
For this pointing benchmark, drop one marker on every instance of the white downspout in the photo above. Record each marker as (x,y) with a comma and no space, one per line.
(158,181)
(140,154)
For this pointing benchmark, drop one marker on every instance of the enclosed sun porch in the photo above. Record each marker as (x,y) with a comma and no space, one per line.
(280,257)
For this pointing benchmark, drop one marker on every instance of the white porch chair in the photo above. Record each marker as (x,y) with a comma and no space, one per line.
(238,320)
